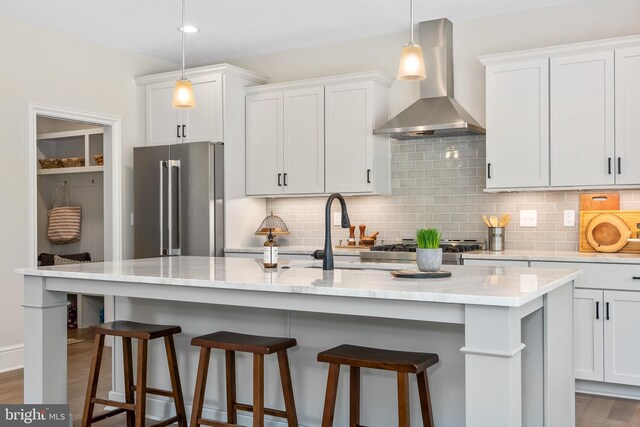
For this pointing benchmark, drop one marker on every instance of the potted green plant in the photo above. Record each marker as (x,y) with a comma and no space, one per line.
(429,253)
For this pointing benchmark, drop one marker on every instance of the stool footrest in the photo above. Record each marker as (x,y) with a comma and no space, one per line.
(166,422)
(156,391)
(121,405)
(268,411)
(108,414)
(213,423)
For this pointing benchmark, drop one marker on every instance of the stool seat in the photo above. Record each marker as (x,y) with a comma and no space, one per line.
(145,331)
(376,358)
(244,343)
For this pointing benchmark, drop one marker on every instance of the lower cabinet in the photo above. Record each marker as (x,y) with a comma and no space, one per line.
(607,336)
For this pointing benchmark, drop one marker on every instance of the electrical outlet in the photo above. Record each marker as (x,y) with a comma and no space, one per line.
(569,218)
(529,218)
(337,219)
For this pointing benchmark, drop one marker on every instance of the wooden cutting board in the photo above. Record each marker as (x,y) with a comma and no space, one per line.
(599,202)
(608,231)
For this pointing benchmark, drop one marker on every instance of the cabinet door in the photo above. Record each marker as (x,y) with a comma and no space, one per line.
(349,137)
(588,317)
(627,115)
(264,144)
(582,127)
(162,119)
(204,122)
(518,125)
(622,337)
(304,141)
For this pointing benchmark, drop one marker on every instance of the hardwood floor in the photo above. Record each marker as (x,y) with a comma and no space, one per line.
(591,411)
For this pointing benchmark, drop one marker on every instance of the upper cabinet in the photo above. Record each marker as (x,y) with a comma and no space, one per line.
(161,124)
(518,124)
(582,103)
(316,137)
(564,117)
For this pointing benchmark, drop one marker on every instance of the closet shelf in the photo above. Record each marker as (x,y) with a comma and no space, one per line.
(79,169)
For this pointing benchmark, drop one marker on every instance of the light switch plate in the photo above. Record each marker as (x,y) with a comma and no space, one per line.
(529,218)
(337,219)
(569,218)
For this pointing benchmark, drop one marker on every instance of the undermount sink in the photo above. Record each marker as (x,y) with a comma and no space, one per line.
(356,267)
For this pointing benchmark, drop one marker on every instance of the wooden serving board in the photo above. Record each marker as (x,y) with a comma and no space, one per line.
(416,274)
(599,201)
(630,218)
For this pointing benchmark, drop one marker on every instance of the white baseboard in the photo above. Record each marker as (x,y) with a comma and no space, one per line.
(159,408)
(11,357)
(608,389)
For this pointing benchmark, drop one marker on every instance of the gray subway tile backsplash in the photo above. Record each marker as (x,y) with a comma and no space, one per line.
(440,183)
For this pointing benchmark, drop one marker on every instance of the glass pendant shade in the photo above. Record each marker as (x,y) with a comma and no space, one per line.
(183,95)
(411,63)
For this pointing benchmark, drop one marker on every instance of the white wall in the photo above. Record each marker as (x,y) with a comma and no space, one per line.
(43,66)
(573,22)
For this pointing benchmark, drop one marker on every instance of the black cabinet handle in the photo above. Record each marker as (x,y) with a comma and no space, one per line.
(597,309)
(609,165)
(279,180)
(619,165)
(489,170)
(368,176)
(607,308)
(285,179)
(178,131)
(184,133)
(636,277)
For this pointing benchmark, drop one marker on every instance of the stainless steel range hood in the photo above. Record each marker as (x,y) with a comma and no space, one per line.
(436,114)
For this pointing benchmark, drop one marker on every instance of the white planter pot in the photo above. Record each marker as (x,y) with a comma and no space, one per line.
(429,259)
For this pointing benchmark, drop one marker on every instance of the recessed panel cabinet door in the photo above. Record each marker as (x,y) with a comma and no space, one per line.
(588,340)
(304,141)
(582,120)
(622,337)
(349,137)
(204,122)
(264,144)
(518,124)
(627,115)
(163,121)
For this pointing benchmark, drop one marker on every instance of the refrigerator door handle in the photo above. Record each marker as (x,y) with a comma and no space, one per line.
(163,164)
(171,165)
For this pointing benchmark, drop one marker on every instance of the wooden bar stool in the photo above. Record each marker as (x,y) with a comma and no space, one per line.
(259,346)
(134,408)
(402,362)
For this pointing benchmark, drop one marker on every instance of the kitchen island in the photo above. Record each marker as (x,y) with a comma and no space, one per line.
(504,335)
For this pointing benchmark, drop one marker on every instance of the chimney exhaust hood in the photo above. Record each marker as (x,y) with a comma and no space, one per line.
(436,114)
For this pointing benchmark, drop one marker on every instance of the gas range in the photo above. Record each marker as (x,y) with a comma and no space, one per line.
(406,251)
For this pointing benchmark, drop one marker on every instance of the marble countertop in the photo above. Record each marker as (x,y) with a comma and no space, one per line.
(292,250)
(557,256)
(497,286)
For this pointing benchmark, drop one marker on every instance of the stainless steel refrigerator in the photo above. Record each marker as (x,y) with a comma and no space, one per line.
(179,200)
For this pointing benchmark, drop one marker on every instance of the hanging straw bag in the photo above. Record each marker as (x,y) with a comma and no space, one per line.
(64,221)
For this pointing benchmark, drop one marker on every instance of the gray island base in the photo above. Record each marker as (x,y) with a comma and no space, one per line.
(504,335)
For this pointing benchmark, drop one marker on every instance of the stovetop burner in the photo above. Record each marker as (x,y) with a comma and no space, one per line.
(448,246)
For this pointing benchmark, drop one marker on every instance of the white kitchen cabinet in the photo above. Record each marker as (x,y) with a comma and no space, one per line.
(264,144)
(582,119)
(285,142)
(168,125)
(622,337)
(326,143)
(588,334)
(518,124)
(627,110)
(356,159)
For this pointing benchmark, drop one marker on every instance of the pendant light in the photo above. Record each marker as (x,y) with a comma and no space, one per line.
(183,93)
(411,61)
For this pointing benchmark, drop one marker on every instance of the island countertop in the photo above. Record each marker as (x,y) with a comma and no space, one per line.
(503,286)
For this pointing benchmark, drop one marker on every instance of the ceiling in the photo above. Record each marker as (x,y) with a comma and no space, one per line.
(236,28)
